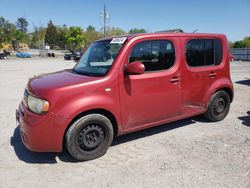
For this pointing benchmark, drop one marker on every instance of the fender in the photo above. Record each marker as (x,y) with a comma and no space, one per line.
(217,85)
(75,106)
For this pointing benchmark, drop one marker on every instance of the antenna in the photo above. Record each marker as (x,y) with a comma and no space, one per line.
(195,31)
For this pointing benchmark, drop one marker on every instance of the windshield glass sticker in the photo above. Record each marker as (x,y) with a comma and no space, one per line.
(119,40)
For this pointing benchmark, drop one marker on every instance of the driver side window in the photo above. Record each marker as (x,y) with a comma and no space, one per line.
(156,55)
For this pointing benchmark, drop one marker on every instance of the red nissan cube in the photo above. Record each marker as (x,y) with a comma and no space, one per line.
(124,84)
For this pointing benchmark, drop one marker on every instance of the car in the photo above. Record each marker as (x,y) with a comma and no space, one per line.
(51,54)
(231,57)
(73,56)
(3,56)
(125,84)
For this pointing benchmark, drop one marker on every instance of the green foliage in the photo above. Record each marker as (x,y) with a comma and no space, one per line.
(245,43)
(90,28)
(136,30)
(37,36)
(22,24)
(91,35)
(21,36)
(230,44)
(75,39)
(115,31)
(63,37)
(239,44)
(51,36)
(62,30)
(7,31)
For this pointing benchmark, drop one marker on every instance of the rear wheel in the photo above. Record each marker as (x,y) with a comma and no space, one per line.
(89,137)
(218,107)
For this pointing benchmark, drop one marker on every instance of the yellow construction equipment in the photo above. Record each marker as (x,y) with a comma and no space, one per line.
(9,48)
(22,47)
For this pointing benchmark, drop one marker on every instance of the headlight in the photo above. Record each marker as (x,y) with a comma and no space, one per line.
(38,106)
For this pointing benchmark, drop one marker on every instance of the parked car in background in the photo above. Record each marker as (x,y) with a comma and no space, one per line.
(231,57)
(3,55)
(51,54)
(73,56)
(125,84)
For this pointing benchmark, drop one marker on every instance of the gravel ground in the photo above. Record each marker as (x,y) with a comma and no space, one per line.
(187,153)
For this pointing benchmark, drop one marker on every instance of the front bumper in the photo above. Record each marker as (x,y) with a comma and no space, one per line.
(41,133)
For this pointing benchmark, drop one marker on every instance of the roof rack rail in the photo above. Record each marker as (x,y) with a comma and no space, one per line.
(171,31)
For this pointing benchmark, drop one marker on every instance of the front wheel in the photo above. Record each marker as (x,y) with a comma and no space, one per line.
(89,137)
(218,107)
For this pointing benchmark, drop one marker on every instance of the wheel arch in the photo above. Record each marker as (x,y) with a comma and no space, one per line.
(103,112)
(219,115)
(227,90)
(224,84)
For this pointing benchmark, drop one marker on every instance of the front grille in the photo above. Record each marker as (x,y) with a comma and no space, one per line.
(25,96)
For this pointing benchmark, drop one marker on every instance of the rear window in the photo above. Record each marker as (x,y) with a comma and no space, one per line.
(204,52)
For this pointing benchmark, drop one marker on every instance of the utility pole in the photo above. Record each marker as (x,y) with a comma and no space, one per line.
(105,17)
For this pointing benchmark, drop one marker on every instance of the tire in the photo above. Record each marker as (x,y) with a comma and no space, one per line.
(89,137)
(218,107)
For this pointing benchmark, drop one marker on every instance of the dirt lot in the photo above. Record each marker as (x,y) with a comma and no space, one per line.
(187,153)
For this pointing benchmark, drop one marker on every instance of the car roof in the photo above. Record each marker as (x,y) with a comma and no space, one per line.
(163,34)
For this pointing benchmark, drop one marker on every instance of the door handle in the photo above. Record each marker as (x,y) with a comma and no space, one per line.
(175,80)
(212,74)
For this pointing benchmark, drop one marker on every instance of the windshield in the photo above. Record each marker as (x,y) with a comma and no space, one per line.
(98,59)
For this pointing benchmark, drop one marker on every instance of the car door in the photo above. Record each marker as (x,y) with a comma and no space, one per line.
(203,57)
(155,95)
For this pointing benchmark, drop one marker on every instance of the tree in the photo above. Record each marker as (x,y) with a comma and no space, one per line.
(51,36)
(75,39)
(38,36)
(245,43)
(7,31)
(230,44)
(115,31)
(2,33)
(21,31)
(61,40)
(21,36)
(90,28)
(239,44)
(135,30)
(91,35)
(22,24)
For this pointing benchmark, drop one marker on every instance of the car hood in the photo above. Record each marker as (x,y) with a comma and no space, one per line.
(39,85)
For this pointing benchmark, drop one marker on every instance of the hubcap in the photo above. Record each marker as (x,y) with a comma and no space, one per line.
(219,106)
(90,137)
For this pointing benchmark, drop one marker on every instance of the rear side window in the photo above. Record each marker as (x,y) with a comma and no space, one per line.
(203,52)
(155,55)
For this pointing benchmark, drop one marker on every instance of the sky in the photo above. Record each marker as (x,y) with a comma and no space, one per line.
(230,17)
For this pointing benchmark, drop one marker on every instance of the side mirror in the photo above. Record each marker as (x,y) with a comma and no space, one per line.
(135,68)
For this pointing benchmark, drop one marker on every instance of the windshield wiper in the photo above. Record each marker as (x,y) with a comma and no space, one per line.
(85,73)
(80,72)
